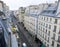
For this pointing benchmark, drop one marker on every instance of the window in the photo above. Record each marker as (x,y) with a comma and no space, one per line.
(45,37)
(41,23)
(49,26)
(46,30)
(58,38)
(53,36)
(47,18)
(48,11)
(45,42)
(55,28)
(59,30)
(58,45)
(56,21)
(43,29)
(48,39)
(47,45)
(54,11)
(46,25)
(49,33)
(39,27)
(52,43)
(50,19)
(49,5)
(44,18)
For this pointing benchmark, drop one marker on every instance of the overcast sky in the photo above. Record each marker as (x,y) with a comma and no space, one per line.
(15,4)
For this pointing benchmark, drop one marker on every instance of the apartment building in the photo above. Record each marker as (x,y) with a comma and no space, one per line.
(30,22)
(43,6)
(31,19)
(21,14)
(49,26)
(1,5)
(16,13)
(6,10)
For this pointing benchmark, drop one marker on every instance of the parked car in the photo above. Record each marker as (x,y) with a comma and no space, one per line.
(24,45)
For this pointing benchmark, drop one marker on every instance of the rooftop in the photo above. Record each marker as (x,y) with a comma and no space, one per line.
(50,10)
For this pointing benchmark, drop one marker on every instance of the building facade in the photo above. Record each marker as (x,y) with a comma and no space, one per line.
(30,23)
(21,14)
(31,19)
(49,26)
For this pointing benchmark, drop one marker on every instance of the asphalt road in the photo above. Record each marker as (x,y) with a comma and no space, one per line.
(23,38)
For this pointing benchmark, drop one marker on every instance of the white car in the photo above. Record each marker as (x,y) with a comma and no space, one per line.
(24,45)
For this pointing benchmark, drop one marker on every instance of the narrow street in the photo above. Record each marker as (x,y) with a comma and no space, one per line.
(23,39)
(24,35)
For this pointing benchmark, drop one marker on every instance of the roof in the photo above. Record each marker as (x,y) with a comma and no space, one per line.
(50,10)
(33,14)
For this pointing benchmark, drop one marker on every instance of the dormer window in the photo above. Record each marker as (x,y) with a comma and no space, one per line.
(56,21)
(49,5)
(54,11)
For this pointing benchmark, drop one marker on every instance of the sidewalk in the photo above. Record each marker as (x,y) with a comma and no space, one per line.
(14,41)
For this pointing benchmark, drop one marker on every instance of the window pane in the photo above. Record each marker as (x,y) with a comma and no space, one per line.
(54,28)
(59,30)
(49,26)
(58,38)
(53,36)
(56,21)
(52,43)
(49,33)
